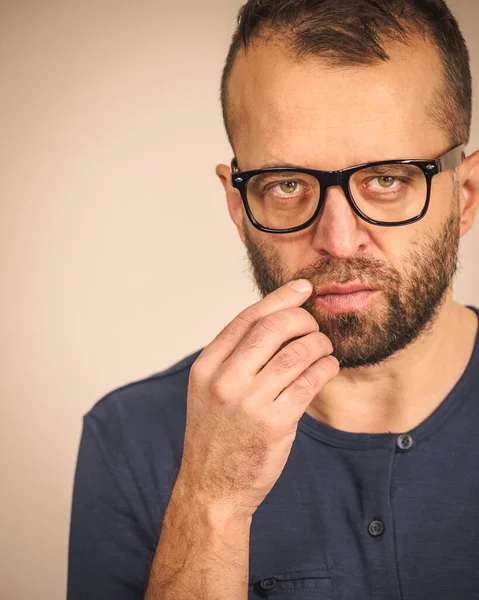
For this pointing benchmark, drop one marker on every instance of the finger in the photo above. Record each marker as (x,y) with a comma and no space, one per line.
(286,366)
(264,341)
(295,399)
(221,348)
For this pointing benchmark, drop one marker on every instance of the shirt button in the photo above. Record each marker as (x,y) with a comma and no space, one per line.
(267,584)
(376,528)
(404,442)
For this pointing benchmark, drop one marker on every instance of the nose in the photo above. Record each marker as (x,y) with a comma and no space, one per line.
(339,231)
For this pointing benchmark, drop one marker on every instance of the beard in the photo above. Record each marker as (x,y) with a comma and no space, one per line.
(407,308)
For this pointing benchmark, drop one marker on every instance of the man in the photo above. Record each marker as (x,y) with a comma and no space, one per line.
(264,466)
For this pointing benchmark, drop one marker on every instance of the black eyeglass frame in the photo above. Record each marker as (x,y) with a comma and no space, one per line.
(326,179)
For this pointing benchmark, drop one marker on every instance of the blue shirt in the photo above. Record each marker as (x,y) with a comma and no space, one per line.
(352,516)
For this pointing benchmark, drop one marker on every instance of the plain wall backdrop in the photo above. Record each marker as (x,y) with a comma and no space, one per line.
(117,254)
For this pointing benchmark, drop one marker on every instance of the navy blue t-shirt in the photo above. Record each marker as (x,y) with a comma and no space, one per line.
(353,516)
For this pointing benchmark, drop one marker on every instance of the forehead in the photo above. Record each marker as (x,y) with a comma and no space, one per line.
(317,115)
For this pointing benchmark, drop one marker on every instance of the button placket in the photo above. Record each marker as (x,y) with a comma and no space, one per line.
(378,527)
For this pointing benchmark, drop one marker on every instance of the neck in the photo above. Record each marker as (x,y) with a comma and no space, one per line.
(399,394)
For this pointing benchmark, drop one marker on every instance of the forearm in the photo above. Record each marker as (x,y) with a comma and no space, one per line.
(199,550)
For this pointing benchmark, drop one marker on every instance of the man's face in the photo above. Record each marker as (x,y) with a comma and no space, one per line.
(312,115)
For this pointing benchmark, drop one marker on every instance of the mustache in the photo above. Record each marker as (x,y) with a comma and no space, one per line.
(367,270)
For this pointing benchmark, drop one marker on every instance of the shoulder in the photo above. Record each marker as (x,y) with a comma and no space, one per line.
(149,402)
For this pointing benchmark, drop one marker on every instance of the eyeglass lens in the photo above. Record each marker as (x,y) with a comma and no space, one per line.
(388,193)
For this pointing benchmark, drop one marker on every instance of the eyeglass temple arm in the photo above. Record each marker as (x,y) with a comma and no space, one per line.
(452,159)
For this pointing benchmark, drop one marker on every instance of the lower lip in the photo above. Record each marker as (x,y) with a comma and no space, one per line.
(337,304)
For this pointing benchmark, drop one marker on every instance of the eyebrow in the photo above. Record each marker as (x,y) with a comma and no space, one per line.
(276,164)
(385,169)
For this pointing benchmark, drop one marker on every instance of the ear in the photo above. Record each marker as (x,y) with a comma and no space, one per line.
(233,198)
(469,181)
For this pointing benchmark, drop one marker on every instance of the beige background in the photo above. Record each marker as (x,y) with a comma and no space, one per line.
(117,254)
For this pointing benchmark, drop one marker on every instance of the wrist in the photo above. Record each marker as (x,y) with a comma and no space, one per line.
(213,515)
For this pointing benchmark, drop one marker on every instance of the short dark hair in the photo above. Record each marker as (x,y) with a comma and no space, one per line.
(347,32)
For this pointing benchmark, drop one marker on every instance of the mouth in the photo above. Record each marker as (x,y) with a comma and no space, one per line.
(354,297)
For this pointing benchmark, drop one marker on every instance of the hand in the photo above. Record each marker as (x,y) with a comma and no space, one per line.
(247,391)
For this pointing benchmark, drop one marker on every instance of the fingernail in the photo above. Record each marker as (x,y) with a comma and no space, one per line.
(301,285)
(335,360)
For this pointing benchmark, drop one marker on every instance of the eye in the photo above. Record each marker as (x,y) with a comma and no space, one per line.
(385,181)
(288,187)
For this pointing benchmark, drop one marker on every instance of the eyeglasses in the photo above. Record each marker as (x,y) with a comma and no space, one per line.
(386,193)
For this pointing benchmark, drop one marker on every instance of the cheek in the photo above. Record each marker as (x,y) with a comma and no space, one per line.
(397,248)
(393,246)
(294,252)
(443,201)
(397,245)
(235,206)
